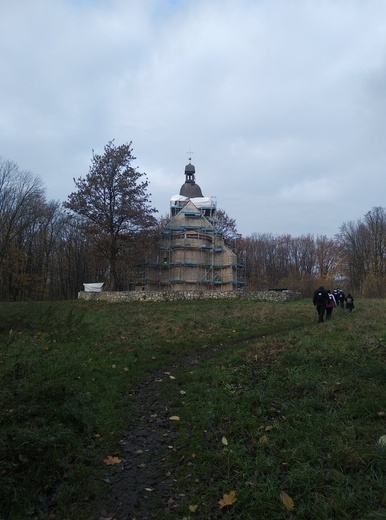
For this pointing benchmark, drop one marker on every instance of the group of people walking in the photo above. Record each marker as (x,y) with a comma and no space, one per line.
(325,301)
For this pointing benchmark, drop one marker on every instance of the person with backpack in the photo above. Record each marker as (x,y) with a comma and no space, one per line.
(319,300)
(331,303)
(349,303)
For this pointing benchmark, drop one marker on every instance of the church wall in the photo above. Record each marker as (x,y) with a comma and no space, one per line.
(156,296)
(192,256)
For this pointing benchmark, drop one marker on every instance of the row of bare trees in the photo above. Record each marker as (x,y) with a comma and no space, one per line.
(101,233)
(104,229)
(286,262)
(39,246)
(363,251)
(354,259)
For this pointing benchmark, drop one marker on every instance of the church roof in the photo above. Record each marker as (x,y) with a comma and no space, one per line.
(190,189)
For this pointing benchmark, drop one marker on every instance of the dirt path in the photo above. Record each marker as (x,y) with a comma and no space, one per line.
(145,475)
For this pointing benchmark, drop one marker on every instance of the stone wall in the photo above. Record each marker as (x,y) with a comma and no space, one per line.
(156,296)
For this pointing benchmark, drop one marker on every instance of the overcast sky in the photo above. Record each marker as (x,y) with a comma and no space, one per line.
(282,102)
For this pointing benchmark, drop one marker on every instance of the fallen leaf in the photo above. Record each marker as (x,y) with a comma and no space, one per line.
(228,500)
(126,369)
(287,501)
(268,428)
(224,441)
(171,377)
(381,414)
(382,441)
(193,508)
(263,439)
(110,461)
(174,418)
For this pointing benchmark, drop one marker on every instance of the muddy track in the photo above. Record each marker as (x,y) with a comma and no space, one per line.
(146,475)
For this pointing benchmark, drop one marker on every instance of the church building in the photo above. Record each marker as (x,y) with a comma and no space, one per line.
(192,254)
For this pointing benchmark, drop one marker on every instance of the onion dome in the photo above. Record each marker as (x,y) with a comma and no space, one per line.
(190,189)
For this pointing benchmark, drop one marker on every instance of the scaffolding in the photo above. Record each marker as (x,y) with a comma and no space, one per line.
(192,255)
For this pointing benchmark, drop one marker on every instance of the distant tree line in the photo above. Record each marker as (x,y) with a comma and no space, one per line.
(101,233)
(355,259)
(105,228)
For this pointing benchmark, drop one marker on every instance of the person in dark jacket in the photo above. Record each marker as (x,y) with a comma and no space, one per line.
(349,303)
(319,300)
(342,298)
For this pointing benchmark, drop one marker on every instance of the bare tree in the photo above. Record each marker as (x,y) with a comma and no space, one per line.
(351,242)
(303,255)
(22,203)
(326,257)
(224,224)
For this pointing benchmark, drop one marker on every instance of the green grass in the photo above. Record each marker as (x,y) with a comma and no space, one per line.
(299,403)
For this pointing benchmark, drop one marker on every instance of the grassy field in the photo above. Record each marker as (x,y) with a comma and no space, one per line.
(288,415)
